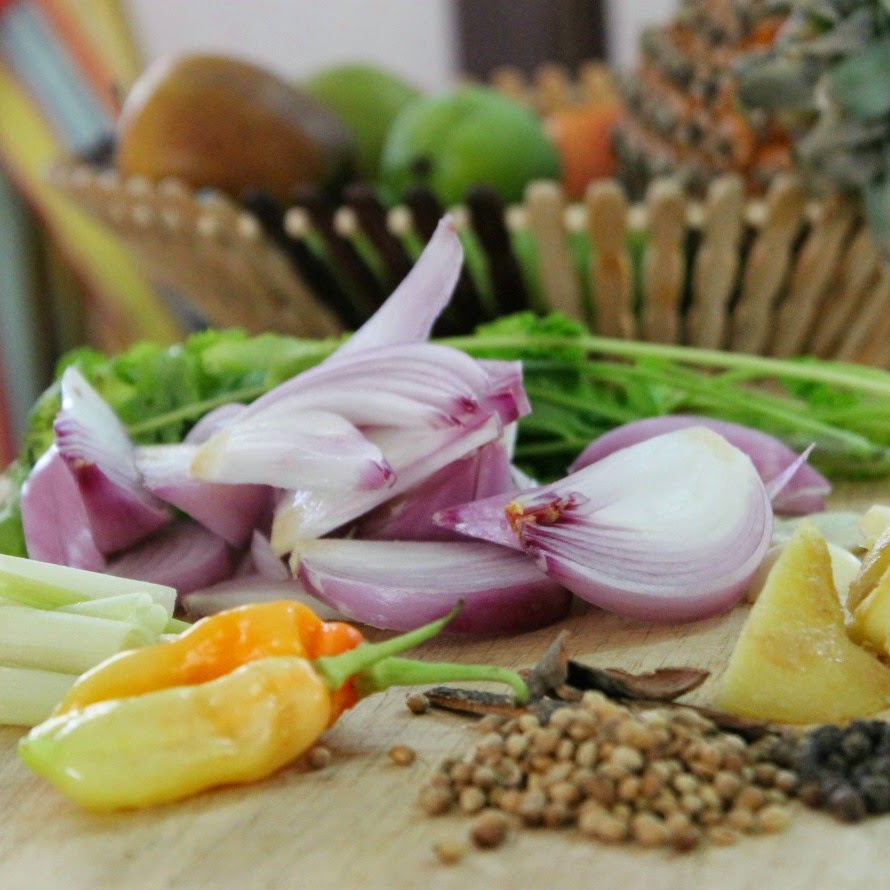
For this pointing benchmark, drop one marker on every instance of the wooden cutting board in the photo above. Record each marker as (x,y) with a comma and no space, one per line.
(356,824)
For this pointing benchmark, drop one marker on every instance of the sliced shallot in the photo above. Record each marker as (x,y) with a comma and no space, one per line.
(425,381)
(213,421)
(243,591)
(410,517)
(409,313)
(54,518)
(183,555)
(414,456)
(669,529)
(93,442)
(399,585)
(230,511)
(315,450)
(804,492)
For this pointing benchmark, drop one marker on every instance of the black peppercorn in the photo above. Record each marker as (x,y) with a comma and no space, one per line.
(875,792)
(845,770)
(856,744)
(847,804)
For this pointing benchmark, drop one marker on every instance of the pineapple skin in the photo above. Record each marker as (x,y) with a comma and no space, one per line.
(684,118)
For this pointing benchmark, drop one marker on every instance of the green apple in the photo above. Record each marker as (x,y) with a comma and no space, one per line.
(470,136)
(367,98)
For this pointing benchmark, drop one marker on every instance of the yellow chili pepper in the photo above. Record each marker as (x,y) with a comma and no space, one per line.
(232,700)
(215,646)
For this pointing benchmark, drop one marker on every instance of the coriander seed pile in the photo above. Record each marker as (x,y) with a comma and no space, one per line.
(665,777)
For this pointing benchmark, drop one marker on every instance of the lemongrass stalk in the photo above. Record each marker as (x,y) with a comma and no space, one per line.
(44,585)
(134,608)
(52,586)
(28,695)
(57,641)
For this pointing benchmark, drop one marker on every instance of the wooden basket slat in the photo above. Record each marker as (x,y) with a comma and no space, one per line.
(611,270)
(767,265)
(545,213)
(783,275)
(816,262)
(868,337)
(717,263)
(855,279)
(664,265)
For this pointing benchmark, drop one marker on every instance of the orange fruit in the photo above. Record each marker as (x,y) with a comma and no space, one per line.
(582,135)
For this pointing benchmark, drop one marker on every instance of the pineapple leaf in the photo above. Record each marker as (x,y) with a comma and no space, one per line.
(861,83)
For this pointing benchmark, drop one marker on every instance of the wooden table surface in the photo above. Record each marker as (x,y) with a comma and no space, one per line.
(356,824)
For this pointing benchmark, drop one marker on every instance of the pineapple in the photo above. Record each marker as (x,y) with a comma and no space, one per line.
(794,662)
(829,72)
(763,87)
(684,115)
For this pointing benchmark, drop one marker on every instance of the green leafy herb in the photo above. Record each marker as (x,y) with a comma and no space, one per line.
(579,385)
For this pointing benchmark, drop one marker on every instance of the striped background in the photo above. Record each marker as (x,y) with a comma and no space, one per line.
(64,280)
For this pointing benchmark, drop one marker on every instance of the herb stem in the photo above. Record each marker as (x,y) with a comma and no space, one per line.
(863,379)
(196,410)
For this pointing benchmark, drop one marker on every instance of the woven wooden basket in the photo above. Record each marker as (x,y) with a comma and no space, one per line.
(782,275)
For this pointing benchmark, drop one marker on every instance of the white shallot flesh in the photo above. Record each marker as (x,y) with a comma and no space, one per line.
(399,585)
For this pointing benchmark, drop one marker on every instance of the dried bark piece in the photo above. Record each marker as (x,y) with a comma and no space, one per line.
(552,671)
(473,702)
(665,684)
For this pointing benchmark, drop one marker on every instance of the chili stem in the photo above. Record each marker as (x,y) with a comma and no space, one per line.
(409,672)
(337,669)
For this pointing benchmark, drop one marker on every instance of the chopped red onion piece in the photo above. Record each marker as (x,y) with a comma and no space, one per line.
(426,378)
(409,313)
(804,493)
(507,396)
(250,589)
(414,456)
(670,529)
(213,421)
(316,450)
(230,511)
(266,562)
(409,517)
(183,555)
(54,517)
(399,585)
(484,519)
(97,449)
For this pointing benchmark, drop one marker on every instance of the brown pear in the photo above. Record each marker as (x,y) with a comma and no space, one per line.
(219,122)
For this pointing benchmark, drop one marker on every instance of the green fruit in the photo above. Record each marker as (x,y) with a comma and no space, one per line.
(471,136)
(367,99)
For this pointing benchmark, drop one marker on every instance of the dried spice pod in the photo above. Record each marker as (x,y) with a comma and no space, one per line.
(665,684)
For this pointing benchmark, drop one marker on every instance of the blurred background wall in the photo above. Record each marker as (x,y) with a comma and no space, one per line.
(426,41)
